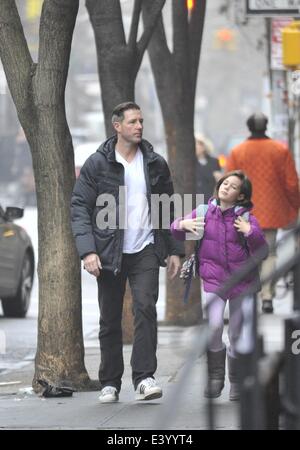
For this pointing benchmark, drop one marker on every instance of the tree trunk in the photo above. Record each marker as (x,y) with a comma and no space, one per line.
(180,143)
(38,93)
(60,351)
(127,317)
(175,75)
(116,91)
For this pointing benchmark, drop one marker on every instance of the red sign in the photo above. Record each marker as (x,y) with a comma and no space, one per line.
(276,42)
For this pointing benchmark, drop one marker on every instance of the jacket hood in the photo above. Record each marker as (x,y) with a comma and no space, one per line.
(107,148)
(237,210)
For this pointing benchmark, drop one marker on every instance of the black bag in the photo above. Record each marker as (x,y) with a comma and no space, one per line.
(189,270)
(55,391)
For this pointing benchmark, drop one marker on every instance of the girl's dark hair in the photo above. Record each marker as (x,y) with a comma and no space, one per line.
(246,187)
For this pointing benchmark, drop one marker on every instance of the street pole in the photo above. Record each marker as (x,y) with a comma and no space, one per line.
(291,111)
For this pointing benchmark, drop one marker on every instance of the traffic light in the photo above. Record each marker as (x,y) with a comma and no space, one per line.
(190,4)
(33,9)
(225,38)
(222,161)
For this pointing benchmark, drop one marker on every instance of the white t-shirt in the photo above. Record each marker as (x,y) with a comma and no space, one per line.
(138,231)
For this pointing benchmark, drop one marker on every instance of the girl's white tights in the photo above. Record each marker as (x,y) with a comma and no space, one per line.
(240,311)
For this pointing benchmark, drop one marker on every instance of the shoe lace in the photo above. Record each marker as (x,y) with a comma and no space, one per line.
(108,390)
(148,382)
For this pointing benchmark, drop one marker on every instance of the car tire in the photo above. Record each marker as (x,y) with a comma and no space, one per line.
(18,306)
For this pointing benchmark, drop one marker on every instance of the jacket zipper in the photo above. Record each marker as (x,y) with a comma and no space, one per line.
(117,269)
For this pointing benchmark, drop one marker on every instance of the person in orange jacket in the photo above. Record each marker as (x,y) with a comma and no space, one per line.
(270,166)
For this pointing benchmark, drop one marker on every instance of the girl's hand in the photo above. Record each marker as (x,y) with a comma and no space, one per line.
(242,225)
(196,225)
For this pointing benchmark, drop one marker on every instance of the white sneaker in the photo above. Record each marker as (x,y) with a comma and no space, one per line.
(108,394)
(148,390)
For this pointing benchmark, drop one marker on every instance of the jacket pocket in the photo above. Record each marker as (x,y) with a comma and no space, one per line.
(155,179)
(160,247)
(157,183)
(104,240)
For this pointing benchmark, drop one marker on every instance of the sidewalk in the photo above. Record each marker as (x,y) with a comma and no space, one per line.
(83,411)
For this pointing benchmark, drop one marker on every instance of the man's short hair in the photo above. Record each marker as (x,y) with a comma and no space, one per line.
(257,122)
(118,112)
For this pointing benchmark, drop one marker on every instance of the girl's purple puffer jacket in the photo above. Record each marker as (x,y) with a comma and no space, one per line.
(223,250)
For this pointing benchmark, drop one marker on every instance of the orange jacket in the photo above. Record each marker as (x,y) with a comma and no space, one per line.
(271,169)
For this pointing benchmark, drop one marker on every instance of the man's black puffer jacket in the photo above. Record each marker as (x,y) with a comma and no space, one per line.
(102,174)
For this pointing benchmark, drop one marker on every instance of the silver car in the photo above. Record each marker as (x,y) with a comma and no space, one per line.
(16,264)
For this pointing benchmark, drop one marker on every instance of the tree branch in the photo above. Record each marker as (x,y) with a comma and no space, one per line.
(14,53)
(135,23)
(161,58)
(57,19)
(196,27)
(151,16)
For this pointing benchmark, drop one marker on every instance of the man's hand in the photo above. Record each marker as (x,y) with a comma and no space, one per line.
(92,264)
(173,265)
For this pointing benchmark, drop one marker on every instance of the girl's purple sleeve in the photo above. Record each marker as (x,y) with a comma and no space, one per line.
(256,240)
(175,231)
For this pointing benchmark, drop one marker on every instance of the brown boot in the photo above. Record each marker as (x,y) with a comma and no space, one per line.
(216,373)
(234,393)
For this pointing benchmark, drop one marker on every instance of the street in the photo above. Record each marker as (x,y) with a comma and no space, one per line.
(19,336)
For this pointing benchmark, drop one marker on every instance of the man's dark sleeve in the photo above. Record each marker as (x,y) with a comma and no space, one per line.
(174,247)
(83,202)
(216,164)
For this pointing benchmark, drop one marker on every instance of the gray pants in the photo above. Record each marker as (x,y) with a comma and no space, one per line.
(268,265)
(142,271)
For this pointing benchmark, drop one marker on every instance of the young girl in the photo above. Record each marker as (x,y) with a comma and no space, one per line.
(229,240)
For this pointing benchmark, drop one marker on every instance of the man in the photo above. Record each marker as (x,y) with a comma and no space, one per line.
(133,251)
(271,169)
(208,170)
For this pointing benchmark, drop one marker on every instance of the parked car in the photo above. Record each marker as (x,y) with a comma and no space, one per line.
(16,264)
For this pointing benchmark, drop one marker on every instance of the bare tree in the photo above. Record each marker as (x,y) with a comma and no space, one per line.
(38,93)
(175,73)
